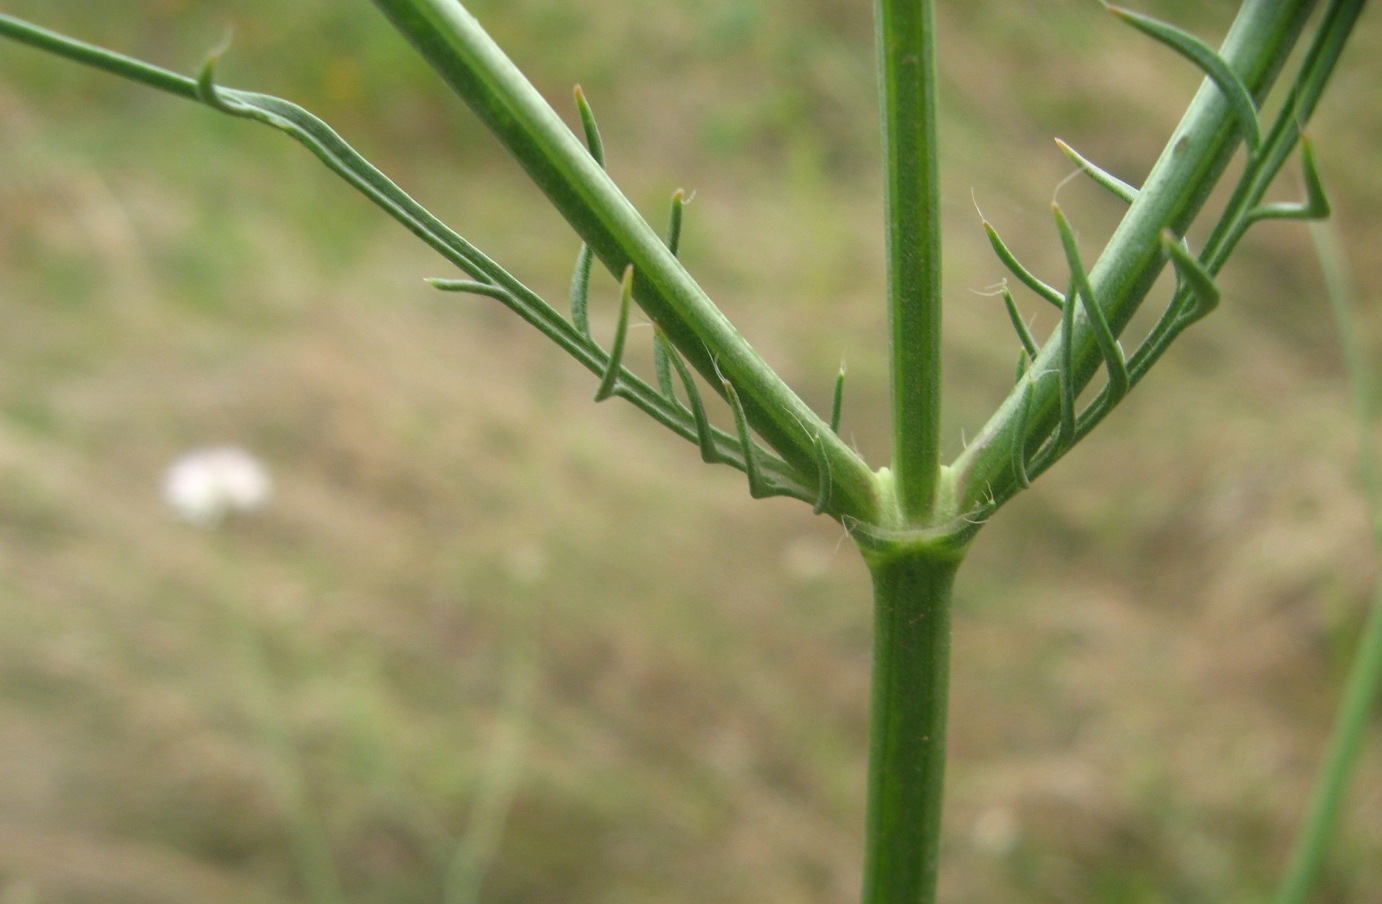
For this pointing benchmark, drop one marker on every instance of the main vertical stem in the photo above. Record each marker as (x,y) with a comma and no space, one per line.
(907,85)
(911,679)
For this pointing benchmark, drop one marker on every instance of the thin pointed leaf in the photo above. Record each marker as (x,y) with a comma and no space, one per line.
(1316,199)
(585,258)
(1197,279)
(1065,436)
(1316,203)
(757,487)
(1114,360)
(663,368)
(1019,450)
(1120,189)
(837,400)
(705,436)
(592,131)
(208,92)
(823,482)
(1020,370)
(1024,276)
(674,221)
(580,290)
(784,481)
(469,286)
(621,332)
(1210,63)
(1029,344)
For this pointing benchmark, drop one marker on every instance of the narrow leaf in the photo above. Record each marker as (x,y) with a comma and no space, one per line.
(1316,203)
(1122,190)
(1108,343)
(837,400)
(705,436)
(621,332)
(758,488)
(823,480)
(679,201)
(1065,437)
(208,92)
(1019,450)
(1196,277)
(1024,276)
(471,286)
(1029,344)
(1209,62)
(580,290)
(585,258)
(662,366)
(592,131)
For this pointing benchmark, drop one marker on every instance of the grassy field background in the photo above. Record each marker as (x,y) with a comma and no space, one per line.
(493,643)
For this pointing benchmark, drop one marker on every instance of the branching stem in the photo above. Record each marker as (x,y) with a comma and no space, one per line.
(1256,47)
(559,164)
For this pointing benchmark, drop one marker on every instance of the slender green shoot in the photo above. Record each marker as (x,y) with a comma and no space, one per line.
(1363,686)
(906,35)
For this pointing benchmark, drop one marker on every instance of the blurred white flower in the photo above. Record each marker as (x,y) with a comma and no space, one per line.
(205,485)
(996,830)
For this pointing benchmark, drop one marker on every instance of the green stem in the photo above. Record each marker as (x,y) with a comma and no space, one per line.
(1365,677)
(911,668)
(907,82)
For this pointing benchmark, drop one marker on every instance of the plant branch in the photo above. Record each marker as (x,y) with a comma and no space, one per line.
(1196,295)
(460,50)
(1256,47)
(831,483)
(907,83)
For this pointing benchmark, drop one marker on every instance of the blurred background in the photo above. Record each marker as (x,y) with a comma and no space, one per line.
(490,642)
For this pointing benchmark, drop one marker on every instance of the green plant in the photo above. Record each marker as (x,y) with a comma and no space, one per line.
(913,520)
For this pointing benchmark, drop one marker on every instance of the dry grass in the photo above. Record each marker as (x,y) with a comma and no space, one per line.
(1148,644)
